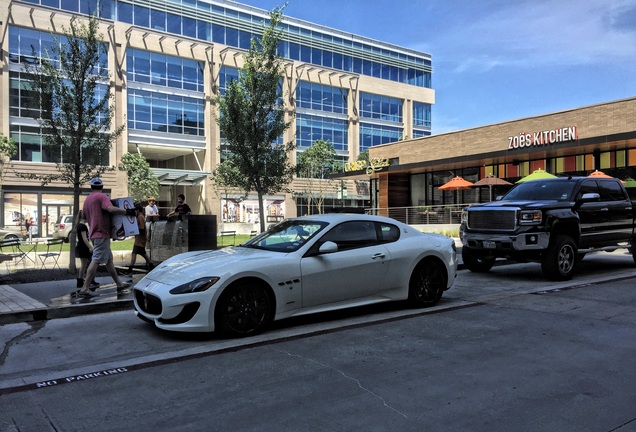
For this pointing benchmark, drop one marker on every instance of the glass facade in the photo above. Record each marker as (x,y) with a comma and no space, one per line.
(421,119)
(162,112)
(230,26)
(164,70)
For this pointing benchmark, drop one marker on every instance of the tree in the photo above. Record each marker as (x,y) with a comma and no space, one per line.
(252,119)
(363,156)
(75,99)
(316,164)
(8,149)
(141,180)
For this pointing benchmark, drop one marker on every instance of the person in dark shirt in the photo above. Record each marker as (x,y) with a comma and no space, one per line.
(182,208)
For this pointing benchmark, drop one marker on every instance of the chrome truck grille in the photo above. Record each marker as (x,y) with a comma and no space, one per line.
(496,220)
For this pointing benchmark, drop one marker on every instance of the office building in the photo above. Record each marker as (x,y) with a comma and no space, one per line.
(167,60)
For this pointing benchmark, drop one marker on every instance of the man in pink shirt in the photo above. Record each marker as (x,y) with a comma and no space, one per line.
(97,210)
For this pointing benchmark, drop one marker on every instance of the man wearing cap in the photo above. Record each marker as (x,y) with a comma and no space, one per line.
(97,210)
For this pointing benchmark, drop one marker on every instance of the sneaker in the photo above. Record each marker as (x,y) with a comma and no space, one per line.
(86,294)
(123,287)
(93,286)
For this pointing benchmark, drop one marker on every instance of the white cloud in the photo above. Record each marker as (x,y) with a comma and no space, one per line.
(538,34)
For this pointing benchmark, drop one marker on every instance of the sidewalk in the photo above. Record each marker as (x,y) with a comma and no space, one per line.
(48,299)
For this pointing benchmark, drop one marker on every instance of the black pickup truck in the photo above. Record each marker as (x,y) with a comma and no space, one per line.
(553,221)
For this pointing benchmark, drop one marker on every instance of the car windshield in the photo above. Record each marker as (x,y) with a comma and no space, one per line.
(537,190)
(287,236)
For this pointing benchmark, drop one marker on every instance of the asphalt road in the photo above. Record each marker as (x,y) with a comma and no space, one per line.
(502,351)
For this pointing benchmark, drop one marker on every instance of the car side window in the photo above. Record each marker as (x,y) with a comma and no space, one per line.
(351,235)
(588,186)
(388,233)
(611,191)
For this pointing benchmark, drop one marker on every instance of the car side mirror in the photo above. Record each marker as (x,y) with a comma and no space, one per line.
(591,196)
(328,247)
(586,197)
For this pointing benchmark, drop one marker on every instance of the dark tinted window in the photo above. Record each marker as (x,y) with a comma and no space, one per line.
(388,233)
(611,191)
(354,234)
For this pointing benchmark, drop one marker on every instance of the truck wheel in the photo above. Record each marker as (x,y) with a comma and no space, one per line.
(560,259)
(476,263)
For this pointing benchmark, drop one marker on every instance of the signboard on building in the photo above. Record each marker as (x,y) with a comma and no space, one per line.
(543,138)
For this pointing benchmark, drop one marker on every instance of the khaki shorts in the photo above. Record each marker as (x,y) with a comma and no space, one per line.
(101,250)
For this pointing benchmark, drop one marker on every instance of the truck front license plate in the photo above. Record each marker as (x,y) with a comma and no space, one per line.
(489,245)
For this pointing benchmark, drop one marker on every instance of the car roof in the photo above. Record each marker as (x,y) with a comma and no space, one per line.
(343,217)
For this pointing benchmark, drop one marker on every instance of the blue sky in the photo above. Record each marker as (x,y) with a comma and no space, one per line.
(498,60)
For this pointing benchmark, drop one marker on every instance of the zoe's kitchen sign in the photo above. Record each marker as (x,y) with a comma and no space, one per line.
(375,164)
(543,138)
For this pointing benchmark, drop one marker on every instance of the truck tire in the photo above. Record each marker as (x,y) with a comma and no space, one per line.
(475,262)
(560,260)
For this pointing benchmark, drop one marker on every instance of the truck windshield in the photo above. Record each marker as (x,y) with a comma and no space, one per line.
(536,190)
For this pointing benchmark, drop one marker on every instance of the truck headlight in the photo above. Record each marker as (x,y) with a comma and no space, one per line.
(530,217)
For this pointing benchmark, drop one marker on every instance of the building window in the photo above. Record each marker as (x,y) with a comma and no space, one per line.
(321,97)
(164,70)
(162,112)
(381,107)
(421,114)
(310,128)
(373,134)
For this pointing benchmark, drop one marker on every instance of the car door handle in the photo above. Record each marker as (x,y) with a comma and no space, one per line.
(378,255)
(605,209)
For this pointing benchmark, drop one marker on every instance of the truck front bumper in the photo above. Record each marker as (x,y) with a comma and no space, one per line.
(499,243)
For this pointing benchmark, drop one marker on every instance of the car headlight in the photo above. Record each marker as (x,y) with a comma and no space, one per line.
(530,217)
(196,285)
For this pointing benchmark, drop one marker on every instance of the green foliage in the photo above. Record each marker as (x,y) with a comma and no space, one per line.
(8,149)
(252,119)
(226,176)
(363,156)
(318,161)
(141,180)
(76,116)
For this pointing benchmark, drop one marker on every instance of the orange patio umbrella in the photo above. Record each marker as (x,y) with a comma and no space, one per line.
(598,173)
(456,183)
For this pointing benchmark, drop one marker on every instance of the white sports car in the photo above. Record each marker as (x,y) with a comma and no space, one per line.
(300,266)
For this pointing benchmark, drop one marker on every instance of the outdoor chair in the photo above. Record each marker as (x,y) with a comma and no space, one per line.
(11,253)
(53,252)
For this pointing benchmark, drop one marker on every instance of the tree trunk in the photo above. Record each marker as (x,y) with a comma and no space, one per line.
(261,211)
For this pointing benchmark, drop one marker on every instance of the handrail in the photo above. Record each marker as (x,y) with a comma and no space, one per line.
(422,215)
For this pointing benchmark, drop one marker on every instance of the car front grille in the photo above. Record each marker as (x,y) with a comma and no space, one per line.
(496,220)
(148,303)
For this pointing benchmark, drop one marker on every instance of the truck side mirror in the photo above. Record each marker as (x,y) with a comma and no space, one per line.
(586,197)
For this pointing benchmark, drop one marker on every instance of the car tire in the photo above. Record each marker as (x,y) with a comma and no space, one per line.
(427,283)
(475,262)
(559,261)
(244,309)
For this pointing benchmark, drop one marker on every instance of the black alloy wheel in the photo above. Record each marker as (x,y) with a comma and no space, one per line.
(244,309)
(427,283)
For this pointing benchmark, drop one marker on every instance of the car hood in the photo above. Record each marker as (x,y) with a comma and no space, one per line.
(191,265)
(522,204)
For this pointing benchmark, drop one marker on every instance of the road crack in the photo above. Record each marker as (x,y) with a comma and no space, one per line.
(350,378)
(34,327)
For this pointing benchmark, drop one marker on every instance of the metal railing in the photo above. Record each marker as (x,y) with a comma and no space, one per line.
(422,215)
